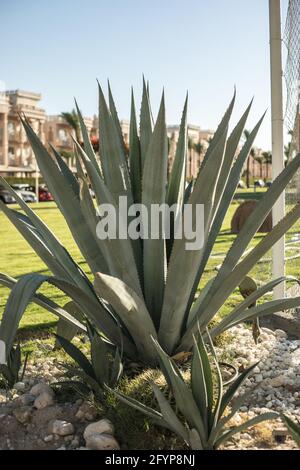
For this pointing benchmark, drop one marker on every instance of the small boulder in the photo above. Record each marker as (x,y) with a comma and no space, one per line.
(23,414)
(19,386)
(86,412)
(43,400)
(104,426)
(102,442)
(40,388)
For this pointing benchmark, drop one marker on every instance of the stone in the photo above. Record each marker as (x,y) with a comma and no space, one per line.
(278,381)
(62,428)
(48,438)
(40,388)
(102,442)
(104,426)
(258,378)
(23,414)
(43,400)
(86,412)
(19,386)
(243,212)
(25,400)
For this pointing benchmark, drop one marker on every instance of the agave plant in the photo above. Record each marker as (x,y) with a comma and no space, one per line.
(104,367)
(293,428)
(204,409)
(144,287)
(11,371)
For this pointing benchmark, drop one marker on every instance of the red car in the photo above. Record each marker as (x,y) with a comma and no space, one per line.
(44,194)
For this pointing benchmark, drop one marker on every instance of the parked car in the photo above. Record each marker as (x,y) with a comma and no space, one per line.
(259,184)
(5,196)
(25,191)
(44,194)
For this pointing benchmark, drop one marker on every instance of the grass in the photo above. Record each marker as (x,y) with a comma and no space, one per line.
(17,259)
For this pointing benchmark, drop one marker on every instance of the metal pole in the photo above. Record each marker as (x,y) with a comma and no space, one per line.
(277,136)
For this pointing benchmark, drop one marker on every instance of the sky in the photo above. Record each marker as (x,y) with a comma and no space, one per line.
(206,47)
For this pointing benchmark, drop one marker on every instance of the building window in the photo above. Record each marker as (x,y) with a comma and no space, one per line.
(62,136)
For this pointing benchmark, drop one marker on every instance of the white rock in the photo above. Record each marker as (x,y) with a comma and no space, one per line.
(104,426)
(62,428)
(43,400)
(258,378)
(102,442)
(48,438)
(40,388)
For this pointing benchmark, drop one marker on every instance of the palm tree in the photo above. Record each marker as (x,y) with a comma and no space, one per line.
(260,160)
(268,160)
(253,154)
(73,121)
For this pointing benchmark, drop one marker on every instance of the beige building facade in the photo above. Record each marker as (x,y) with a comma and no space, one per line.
(17,158)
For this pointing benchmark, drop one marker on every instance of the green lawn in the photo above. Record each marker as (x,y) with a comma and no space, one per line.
(17,258)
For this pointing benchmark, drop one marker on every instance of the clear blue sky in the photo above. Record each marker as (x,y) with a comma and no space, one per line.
(60,47)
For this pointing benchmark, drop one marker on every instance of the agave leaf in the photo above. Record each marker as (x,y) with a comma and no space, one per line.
(64,328)
(132,311)
(201,379)
(219,132)
(247,424)
(99,359)
(73,272)
(183,395)
(65,170)
(46,303)
(169,415)
(214,417)
(194,440)
(116,369)
(221,211)
(18,300)
(225,419)
(88,148)
(134,155)
(114,115)
(188,191)
(185,261)
(230,392)
(241,242)
(293,428)
(113,159)
(265,309)
(153,414)
(23,292)
(250,300)
(66,200)
(154,192)
(231,148)
(239,272)
(34,239)
(145,123)
(118,252)
(77,356)
(176,186)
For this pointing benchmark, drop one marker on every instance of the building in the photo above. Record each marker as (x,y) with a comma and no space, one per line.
(16,155)
(17,158)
